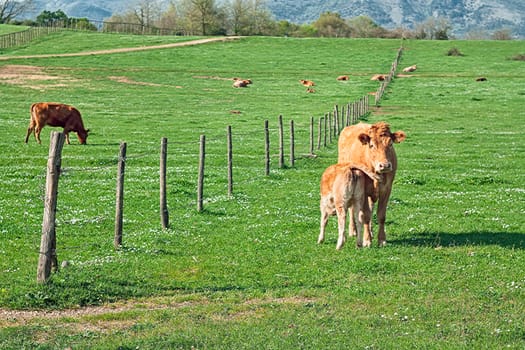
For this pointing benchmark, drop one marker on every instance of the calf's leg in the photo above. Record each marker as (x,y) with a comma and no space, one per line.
(341,223)
(324,220)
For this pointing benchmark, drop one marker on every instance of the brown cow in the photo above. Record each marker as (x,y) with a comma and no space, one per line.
(343,187)
(307,82)
(379,77)
(343,78)
(410,69)
(238,83)
(56,114)
(371,146)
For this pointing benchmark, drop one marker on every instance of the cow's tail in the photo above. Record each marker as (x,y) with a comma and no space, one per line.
(32,111)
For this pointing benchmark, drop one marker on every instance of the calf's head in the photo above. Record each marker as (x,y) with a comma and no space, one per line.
(378,142)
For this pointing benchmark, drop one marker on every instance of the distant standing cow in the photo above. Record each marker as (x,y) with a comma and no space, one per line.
(343,186)
(56,114)
(371,146)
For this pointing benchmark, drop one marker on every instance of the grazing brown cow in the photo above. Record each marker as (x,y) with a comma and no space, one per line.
(307,82)
(343,186)
(481,79)
(379,77)
(56,114)
(343,78)
(371,146)
(410,69)
(310,90)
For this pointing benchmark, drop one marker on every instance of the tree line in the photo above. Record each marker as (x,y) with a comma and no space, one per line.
(237,17)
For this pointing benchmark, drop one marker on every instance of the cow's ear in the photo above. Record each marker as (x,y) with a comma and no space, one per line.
(399,136)
(364,138)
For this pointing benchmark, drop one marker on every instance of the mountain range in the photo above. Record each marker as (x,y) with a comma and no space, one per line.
(463,15)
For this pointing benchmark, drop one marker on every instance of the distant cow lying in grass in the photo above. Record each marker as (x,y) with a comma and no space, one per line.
(343,78)
(238,83)
(56,114)
(379,77)
(410,69)
(307,83)
(344,186)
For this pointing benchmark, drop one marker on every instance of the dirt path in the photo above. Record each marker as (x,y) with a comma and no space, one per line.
(126,49)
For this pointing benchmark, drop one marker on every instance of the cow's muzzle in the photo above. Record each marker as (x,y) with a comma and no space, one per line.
(384,167)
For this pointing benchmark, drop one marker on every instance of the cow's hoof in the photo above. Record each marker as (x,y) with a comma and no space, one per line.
(382,243)
(367,244)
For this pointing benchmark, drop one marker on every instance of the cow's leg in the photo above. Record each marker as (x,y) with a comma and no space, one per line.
(341,224)
(381,215)
(324,220)
(38,129)
(364,220)
(66,134)
(358,208)
(30,130)
(352,232)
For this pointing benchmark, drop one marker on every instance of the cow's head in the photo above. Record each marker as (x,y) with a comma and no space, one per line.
(379,141)
(82,136)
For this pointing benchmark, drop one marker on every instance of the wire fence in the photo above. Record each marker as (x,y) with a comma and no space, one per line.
(23,37)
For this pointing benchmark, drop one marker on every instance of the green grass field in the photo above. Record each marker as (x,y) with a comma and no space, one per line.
(247,272)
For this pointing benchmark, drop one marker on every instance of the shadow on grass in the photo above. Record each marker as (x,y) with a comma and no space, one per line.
(443,239)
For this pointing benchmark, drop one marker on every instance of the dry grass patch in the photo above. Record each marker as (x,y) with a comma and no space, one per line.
(32,77)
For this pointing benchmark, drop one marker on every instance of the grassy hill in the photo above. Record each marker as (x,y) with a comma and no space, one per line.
(247,272)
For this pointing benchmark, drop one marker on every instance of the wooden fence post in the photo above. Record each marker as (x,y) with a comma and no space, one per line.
(292,144)
(325,131)
(311,136)
(120,195)
(319,132)
(348,114)
(266,148)
(281,142)
(47,259)
(336,120)
(230,160)
(343,117)
(331,130)
(200,183)
(164,215)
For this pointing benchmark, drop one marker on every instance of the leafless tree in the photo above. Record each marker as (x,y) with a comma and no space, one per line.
(502,34)
(9,9)
(433,28)
(147,12)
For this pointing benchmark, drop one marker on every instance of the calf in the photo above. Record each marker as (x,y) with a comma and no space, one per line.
(56,114)
(343,186)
